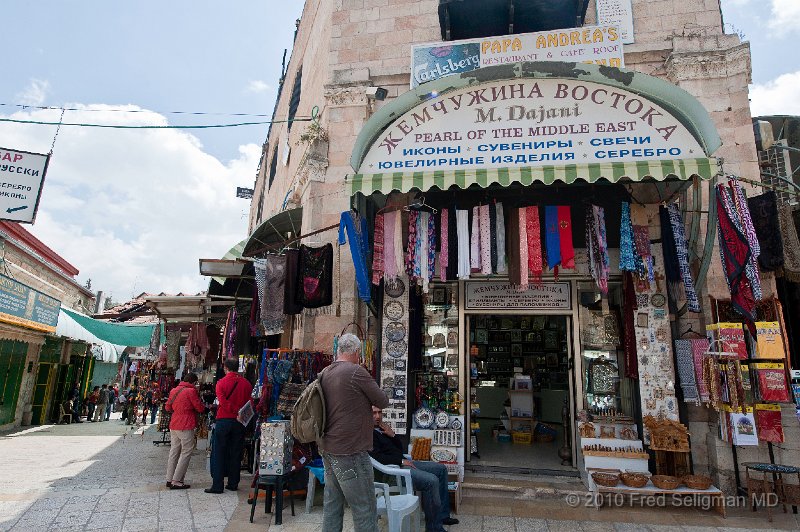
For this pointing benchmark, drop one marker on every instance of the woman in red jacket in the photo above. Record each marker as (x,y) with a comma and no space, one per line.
(184,403)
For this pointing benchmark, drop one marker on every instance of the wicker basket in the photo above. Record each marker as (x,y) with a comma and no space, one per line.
(697,482)
(634,480)
(665,482)
(608,480)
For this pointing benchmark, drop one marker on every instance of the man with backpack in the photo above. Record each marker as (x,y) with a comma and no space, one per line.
(349,392)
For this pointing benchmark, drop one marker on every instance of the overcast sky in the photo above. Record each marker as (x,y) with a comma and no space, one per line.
(135,210)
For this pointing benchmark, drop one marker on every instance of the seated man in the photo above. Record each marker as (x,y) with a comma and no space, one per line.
(428,477)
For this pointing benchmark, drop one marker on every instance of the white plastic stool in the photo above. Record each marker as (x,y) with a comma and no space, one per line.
(312,486)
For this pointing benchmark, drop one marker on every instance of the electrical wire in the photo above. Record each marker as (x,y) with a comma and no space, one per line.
(200,113)
(118,126)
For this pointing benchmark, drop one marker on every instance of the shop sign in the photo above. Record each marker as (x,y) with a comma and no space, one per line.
(21,180)
(530,122)
(618,13)
(503,296)
(590,44)
(22,305)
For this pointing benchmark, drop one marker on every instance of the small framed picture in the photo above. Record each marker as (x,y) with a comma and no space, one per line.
(550,339)
(480,322)
(516,350)
(494,324)
(481,336)
(552,360)
(506,323)
(452,382)
(437,361)
(400,365)
(642,319)
(525,324)
(516,336)
(532,337)
(439,296)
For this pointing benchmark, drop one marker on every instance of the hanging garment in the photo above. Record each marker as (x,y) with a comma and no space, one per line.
(214,339)
(597,246)
(628,326)
(315,279)
(433,246)
(486,240)
(444,243)
(565,237)
(671,269)
(462,228)
(424,248)
(411,246)
(493,234)
(791,243)
(686,375)
(738,212)
(552,241)
(377,250)
(390,270)
(291,305)
(764,214)
(454,245)
(420,247)
(735,255)
(524,248)
(533,233)
(514,248)
(353,227)
(682,254)
(641,246)
(501,239)
(699,348)
(475,241)
(747,225)
(627,253)
(271,276)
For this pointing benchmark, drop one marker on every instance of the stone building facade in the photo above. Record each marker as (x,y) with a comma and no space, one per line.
(345,47)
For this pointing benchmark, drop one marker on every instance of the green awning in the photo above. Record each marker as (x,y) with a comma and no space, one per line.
(683,169)
(234,253)
(115,333)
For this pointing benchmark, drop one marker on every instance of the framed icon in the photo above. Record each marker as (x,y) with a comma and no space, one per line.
(437,361)
(516,335)
(525,324)
(552,360)
(516,350)
(439,296)
(481,336)
(480,322)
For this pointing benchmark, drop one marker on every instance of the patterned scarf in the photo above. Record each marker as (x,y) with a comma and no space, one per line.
(641,245)
(444,255)
(735,254)
(493,235)
(272,270)
(411,249)
(791,244)
(745,225)
(699,348)
(565,237)
(462,229)
(682,254)
(475,241)
(686,372)
(627,254)
(534,234)
(432,245)
(597,247)
(291,304)
(501,239)
(671,268)
(764,212)
(515,243)
(377,251)
(389,262)
(751,267)
(486,240)
(422,250)
(453,248)
(628,312)
(524,246)
(551,239)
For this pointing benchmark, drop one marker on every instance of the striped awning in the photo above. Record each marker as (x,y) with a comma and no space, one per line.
(683,169)
(234,253)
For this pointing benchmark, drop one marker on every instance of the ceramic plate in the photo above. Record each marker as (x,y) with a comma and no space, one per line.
(443,455)
(456,424)
(395,331)
(396,349)
(424,418)
(442,420)
(395,288)
(394,310)
(658,300)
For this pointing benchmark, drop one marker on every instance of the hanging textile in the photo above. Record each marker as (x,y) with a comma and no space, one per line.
(552,243)
(628,326)
(740,215)
(641,246)
(353,227)
(462,228)
(597,246)
(197,345)
(516,241)
(627,253)
(213,335)
(315,282)
(423,249)
(791,243)
(524,248)
(686,373)
(291,305)
(270,277)
(454,245)
(486,244)
(173,347)
(501,239)
(433,246)
(671,269)
(735,255)
(411,246)
(565,237)
(764,213)
(475,241)
(392,245)
(534,236)
(493,235)
(682,255)
(377,250)
(699,348)
(444,243)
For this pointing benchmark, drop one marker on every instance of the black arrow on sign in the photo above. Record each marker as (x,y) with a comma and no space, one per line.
(15,209)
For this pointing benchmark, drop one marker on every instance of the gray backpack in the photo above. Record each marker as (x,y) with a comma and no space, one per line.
(308,417)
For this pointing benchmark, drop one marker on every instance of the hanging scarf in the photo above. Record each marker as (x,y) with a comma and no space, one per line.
(641,245)
(552,242)
(493,235)
(353,230)
(685,366)
(486,238)
(524,259)
(597,246)
(699,348)
(682,254)
(501,239)
(764,214)
(515,244)
(274,273)
(791,244)
(444,244)
(628,313)
(475,241)
(534,235)
(735,256)
(627,253)
(741,217)
(671,269)
(291,305)
(411,250)
(421,252)
(565,237)
(454,245)
(462,229)
(751,267)
(315,286)
(377,251)
(390,271)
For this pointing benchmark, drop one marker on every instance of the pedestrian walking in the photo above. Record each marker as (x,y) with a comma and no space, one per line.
(112,397)
(102,404)
(92,403)
(227,440)
(350,393)
(75,397)
(155,403)
(184,403)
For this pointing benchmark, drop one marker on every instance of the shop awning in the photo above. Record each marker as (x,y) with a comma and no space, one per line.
(114,333)
(273,231)
(683,169)
(230,258)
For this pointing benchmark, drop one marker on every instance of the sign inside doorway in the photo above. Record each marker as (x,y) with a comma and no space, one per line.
(546,296)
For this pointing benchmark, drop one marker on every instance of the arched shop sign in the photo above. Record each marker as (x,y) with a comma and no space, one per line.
(534,122)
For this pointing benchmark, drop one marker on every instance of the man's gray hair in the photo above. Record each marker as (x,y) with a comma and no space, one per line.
(349,344)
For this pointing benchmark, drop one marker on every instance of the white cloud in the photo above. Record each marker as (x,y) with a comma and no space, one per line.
(257,86)
(780,96)
(134,210)
(785,17)
(35,93)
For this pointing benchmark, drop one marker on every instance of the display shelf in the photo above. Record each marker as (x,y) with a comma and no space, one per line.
(616,454)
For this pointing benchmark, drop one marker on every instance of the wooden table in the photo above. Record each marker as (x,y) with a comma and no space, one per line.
(783,492)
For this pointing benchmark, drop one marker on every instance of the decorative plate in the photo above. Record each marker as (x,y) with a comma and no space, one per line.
(443,455)
(395,331)
(396,349)
(394,310)
(452,338)
(658,300)
(456,424)
(439,340)
(442,420)
(389,392)
(395,288)
(388,381)
(424,418)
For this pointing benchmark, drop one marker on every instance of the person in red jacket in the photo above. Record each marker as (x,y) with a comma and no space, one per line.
(227,440)
(184,403)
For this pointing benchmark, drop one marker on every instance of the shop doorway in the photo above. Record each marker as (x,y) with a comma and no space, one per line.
(520,392)
(42,392)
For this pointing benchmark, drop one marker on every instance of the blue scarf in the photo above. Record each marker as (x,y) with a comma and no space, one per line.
(552,240)
(627,253)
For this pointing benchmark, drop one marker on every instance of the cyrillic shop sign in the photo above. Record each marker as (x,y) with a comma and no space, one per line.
(21,180)
(22,305)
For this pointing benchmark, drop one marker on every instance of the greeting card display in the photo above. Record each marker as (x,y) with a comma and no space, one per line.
(770,342)
(768,423)
(772,384)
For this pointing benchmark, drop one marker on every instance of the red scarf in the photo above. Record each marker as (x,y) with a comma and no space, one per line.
(534,233)
(565,237)
(735,256)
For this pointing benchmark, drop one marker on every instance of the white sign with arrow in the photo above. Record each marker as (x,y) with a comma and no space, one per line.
(21,179)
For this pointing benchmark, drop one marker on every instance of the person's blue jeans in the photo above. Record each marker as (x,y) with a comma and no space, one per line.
(349,478)
(226,453)
(90,413)
(153,412)
(108,411)
(430,478)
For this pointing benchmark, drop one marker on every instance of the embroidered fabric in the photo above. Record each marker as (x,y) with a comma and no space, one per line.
(377,250)
(741,217)
(272,316)
(627,253)
(315,286)
(597,246)
(501,239)
(291,305)
(420,247)
(682,254)
(493,235)
(533,232)
(764,214)
(524,248)
(565,237)
(454,245)
(444,245)
(462,228)
(390,271)
(686,373)
(486,245)
(475,240)
(791,243)
(411,249)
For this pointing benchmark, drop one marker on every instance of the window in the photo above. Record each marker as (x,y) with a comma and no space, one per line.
(294,101)
(273,167)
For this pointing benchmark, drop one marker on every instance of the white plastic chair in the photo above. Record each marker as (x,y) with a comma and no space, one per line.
(397,507)
(402,477)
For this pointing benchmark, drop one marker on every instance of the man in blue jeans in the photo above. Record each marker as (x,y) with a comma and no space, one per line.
(233,391)
(430,478)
